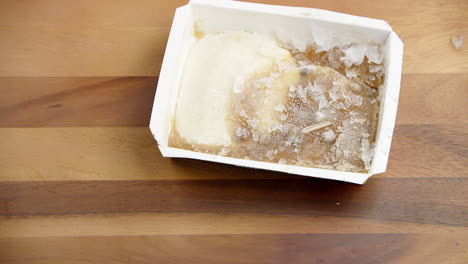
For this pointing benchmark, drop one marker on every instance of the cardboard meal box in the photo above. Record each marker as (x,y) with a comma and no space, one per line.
(300,26)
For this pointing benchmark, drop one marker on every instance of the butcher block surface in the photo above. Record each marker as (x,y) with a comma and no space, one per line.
(82,179)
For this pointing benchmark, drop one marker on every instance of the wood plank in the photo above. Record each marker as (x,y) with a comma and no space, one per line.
(429,151)
(109,38)
(433,99)
(88,13)
(206,224)
(58,154)
(127,101)
(424,28)
(76,101)
(282,248)
(106,39)
(48,154)
(92,51)
(424,201)
(82,180)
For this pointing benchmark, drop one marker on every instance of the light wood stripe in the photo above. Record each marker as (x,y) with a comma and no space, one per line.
(205,224)
(97,41)
(95,51)
(433,99)
(58,154)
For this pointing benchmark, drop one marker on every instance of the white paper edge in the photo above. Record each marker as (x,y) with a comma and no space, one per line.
(358,178)
(389,103)
(318,14)
(160,119)
(160,115)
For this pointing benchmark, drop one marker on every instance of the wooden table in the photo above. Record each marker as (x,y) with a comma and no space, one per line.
(82,180)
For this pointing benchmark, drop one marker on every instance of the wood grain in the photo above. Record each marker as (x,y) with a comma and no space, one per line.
(117,224)
(275,248)
(436,201)
(82,180)
(429,151)
(127,101)
(54,154)
(106,39)
(76,101)
(109,38)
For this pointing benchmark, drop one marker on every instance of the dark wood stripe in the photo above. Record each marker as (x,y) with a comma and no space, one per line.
(76,101)
(127,101)
(432,201)
(429,150)
(288,248)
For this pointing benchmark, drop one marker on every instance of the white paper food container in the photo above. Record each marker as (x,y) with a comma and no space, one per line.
(293,24)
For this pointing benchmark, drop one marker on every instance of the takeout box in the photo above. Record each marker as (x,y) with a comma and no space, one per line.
(296,25)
